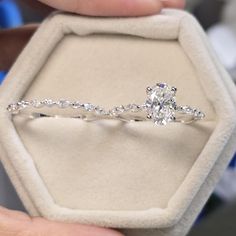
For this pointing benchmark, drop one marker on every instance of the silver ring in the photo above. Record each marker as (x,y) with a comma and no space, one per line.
(160,107)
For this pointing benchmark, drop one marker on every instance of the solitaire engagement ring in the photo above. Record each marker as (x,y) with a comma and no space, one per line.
(160,107)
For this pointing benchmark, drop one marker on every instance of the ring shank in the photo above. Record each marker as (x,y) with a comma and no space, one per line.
(184,114)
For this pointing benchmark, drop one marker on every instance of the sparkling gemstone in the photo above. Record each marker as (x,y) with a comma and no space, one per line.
(119,110)
(200,115)
(12,107)
(36,103)
(161,104)
(48,102)
(100,111)
(89,107)
(187,110)
(113,112)
(63,103)
(133,108)
(76,105)
(21,104)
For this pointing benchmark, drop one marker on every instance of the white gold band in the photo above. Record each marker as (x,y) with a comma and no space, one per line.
(160,107)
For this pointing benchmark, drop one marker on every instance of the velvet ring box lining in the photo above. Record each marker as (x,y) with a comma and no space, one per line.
(108,173)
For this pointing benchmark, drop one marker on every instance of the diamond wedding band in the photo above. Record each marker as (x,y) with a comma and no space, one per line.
(160,107)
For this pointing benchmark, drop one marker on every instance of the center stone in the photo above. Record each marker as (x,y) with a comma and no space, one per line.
(161,103)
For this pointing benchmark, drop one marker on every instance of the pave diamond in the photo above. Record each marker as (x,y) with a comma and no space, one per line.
(76,105)
(100,111)
(133,108)
(89,107)
(117,111)
(160,107)
(48,102)
(62,103)
(161,103)
(13,108)
(36,103)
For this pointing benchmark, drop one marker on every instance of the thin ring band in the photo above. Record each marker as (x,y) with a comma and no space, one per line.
(160,107)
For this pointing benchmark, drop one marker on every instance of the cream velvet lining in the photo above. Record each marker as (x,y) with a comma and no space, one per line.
(107,173)
(110,165)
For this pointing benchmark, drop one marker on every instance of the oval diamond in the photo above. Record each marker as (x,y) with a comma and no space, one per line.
(161,103)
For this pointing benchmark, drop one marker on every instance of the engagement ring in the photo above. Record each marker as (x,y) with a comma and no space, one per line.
(160,107)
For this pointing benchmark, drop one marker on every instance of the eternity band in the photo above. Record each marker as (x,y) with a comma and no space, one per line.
(160,107)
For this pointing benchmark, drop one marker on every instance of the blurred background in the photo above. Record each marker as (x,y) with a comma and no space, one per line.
(218,18)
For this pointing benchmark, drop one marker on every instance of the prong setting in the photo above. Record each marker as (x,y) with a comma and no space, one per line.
(148,90)
(161,85)
(160,104)
(174,89)
(159,107)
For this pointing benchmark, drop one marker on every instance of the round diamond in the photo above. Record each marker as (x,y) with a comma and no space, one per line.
(118,110)
(88,107)
(100,111)
(48,102)
(63,103)
(36,103)
(76,105)
(133,108)
(12,107)
(187,109)
(161,104)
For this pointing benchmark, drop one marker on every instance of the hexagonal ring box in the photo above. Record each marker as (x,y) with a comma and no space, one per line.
(137,177)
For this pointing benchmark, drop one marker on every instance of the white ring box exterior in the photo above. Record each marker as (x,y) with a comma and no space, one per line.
(183,205)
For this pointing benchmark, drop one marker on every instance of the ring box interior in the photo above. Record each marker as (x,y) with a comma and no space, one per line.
(138,177)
